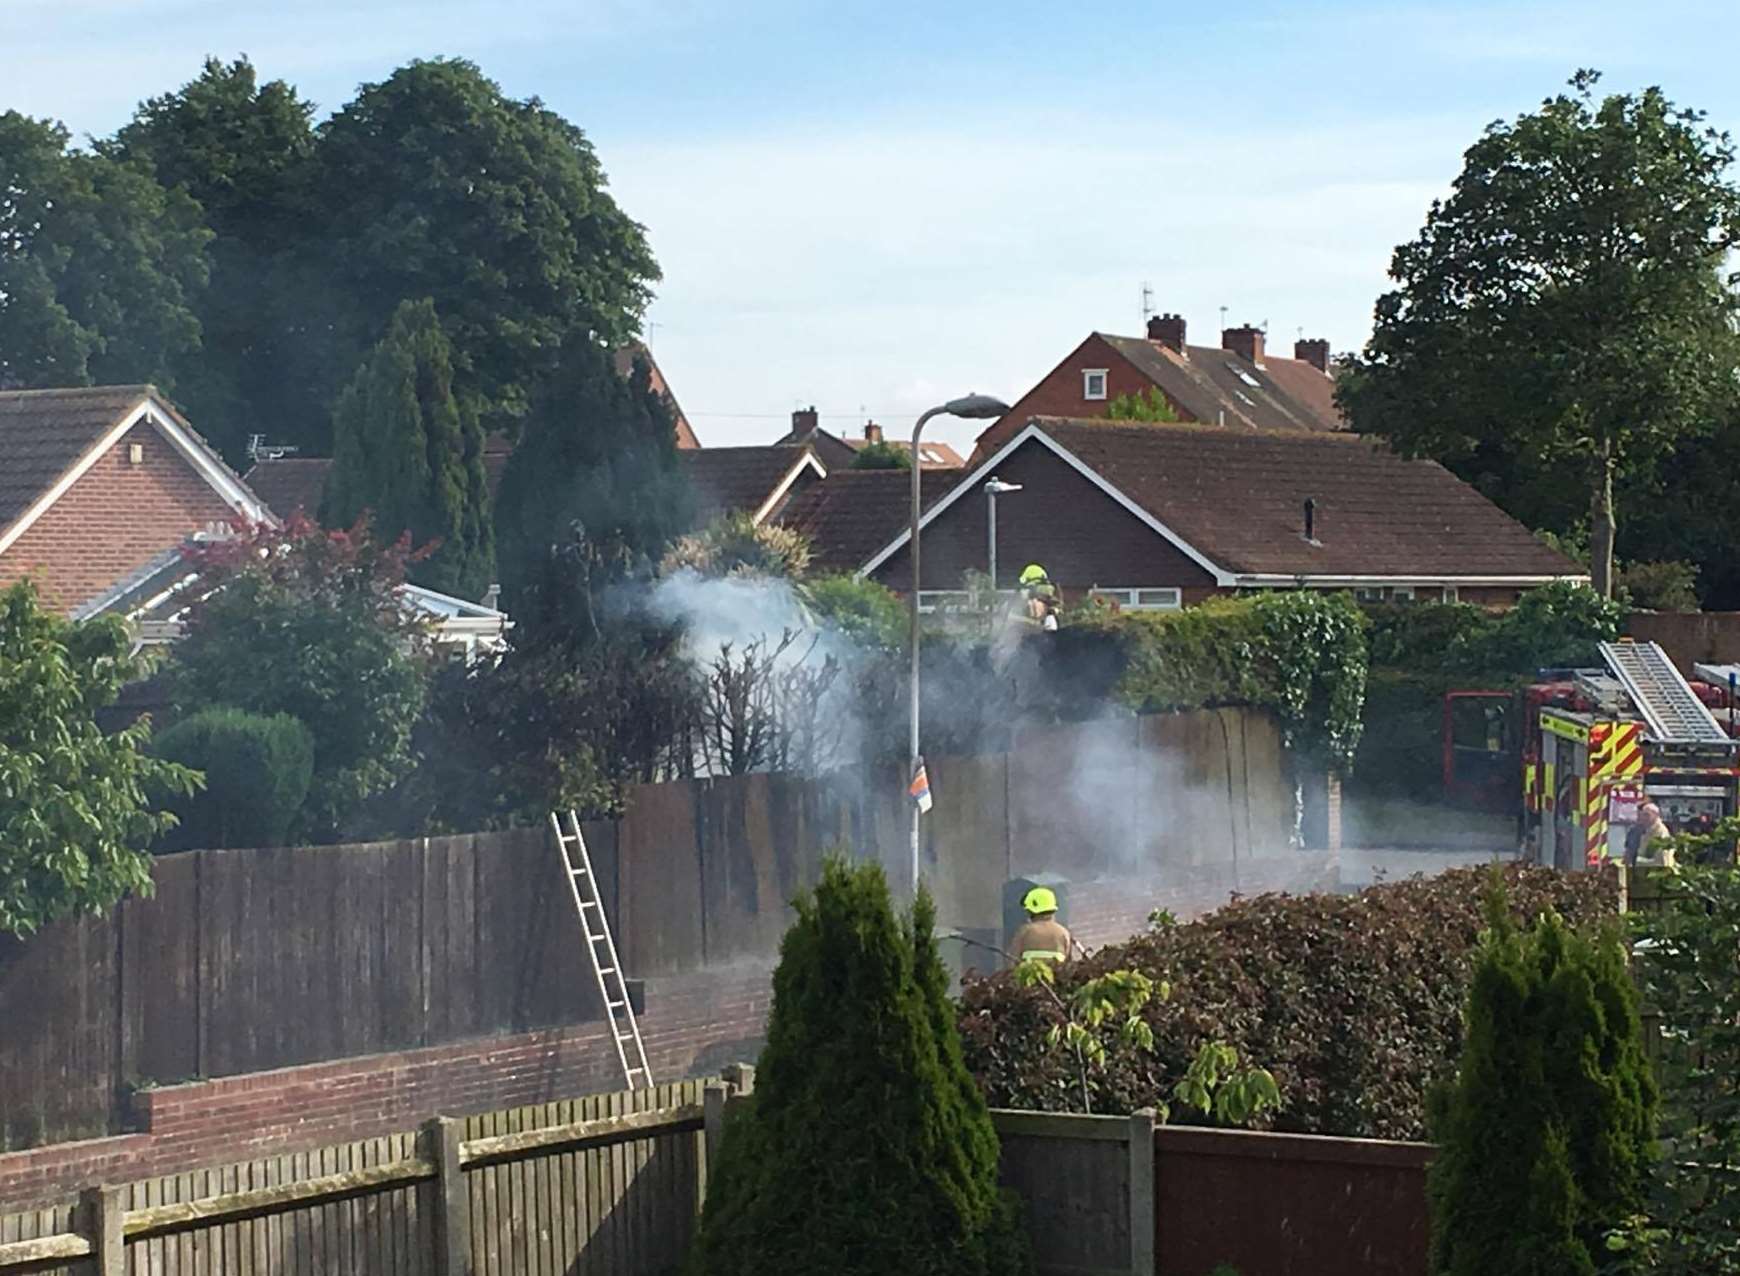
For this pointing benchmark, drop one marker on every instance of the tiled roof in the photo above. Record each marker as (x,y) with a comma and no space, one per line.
(851,514)
(1237,497)
(290,483)
(43,433)
(1216,386)
(624,358)
(935,456)
(731,479)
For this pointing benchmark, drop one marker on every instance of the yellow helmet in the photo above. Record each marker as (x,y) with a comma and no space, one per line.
(1041,899)
(1033,574)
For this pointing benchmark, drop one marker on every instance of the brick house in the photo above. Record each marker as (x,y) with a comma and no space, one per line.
(1239,384)
(1162,516)
(95,483)
(837,451)
(759,481)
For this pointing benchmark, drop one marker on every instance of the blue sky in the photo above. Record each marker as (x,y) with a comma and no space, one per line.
(873,206)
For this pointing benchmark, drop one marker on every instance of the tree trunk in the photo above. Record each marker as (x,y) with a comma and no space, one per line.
(1601,525)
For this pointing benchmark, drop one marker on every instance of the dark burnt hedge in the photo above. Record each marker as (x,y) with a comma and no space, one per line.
(1353,1001)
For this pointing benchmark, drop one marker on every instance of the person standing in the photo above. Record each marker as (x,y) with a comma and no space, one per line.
(1043,937)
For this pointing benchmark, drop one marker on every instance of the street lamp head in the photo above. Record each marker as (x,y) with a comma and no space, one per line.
(997,487)
(975,406)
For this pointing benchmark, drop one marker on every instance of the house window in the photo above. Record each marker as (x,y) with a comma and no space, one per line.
(1093,383)
(1452,594)
(934,600)
(1402,594)
(1143,599)
(1369,594)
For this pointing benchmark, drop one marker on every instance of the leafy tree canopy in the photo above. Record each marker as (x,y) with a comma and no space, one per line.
(882,456)
(1563,316)
(100,267)
(75,803)
(735,544)
(1149,405)
(412,459)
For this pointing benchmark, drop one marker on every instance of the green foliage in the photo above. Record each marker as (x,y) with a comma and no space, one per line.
(257,770)
(310,624)
(1485,356)
(867,612)
(1685,963)
(735,544)
(407,456)
(1669,586)
(1145,405)
(100,267)
(75,804)
(591,495)
(1352,1002)
(866,1147)
(1300,653)
(882,456)
(1552,1107)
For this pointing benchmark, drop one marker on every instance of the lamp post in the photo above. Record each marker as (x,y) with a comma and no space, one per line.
(972,407)
(994,488)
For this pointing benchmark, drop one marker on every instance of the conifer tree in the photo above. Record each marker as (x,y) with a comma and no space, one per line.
(866,1147)
(406,452)
(1547,1132)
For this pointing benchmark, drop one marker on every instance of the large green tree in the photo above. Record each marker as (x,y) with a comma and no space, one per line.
(76,803)
(243,151)
(435,184)
(407,454)
(1563,317)
(100,267)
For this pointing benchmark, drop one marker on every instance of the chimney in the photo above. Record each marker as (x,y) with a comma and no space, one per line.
(1311,519)
(1315,352)
(872,432)
(804,422)
(1167,330)
(1245,342)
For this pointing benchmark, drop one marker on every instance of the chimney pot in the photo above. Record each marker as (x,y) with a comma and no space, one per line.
(804,421)
(872,432)
(1314,351)
(1167,330)
(1245,342)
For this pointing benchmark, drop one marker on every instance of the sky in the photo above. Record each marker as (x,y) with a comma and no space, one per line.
(874,207)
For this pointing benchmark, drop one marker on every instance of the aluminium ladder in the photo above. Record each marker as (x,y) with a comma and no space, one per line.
(1674,715)
(601,951)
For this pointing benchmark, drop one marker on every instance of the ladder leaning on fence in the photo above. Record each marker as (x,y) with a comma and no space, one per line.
(601,950)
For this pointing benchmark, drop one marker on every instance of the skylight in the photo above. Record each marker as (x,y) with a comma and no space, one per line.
(1244,376)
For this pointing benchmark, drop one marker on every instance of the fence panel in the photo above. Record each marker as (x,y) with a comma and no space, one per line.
(160,939)
(660,879)
(1072,1174)
(59,1002)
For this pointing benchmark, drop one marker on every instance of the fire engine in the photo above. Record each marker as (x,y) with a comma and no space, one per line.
(1577,753)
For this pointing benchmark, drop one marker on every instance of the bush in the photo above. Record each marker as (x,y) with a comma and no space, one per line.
(1669,586)
(257,770)
(1353,1001)
(735,543)
(1546,1133)
(868,613)
(866,1147)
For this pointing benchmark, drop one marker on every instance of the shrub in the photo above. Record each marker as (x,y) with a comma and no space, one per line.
(736,543)
(866,1147)
(1546,1133)
(257,771)
(1353,1002)
(1671,586)
(866,612)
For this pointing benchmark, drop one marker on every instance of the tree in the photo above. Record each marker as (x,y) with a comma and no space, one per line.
(1148,405)
(257,770)
(243,151)
(1563,314)
(734,544)
(868,613)
(866,1146)
(882,456)
(406,454)
(310,624)
(1546,1135)
(591,494)
(75,803)
(436,185)
(100,267)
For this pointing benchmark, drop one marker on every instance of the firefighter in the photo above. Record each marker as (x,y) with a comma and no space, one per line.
(1043,938)
(1646,842)
(1041,596)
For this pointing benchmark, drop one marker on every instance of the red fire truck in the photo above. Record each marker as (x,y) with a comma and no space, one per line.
(1575,754)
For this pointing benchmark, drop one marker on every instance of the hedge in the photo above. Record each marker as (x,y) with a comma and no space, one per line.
(1353,1001)
(257,772)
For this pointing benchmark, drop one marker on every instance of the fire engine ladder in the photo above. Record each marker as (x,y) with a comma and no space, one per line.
(601,951)
(1674,715)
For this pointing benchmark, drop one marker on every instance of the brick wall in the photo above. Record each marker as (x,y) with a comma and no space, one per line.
(115,519)
(1059,393)
(693,1025)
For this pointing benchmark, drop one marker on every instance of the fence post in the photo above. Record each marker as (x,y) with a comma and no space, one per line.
(740,1076)
(441,1137)
(1141,1148)
(103,1212)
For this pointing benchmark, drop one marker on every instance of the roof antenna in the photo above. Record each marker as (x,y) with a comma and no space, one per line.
(1223,318)
(1147,301)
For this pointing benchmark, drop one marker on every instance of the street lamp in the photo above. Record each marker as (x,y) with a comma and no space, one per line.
(994,488)
(973,407)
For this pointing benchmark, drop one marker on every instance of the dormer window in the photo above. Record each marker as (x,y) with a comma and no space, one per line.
(1093,383)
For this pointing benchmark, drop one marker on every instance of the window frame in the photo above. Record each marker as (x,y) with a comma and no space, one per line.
(1087,394)
(1128,597)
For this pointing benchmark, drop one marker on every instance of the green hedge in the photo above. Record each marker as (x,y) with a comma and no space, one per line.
(1354,1002)
(257,772)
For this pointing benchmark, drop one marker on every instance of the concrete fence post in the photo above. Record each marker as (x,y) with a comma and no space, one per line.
(441,1138)
(103,1212)
(740,1076)
(1142,1185)
(713,1101)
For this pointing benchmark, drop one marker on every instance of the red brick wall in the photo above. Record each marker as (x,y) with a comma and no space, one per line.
(1060,394)
(693,1025)
(1061,520)
(115,519)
